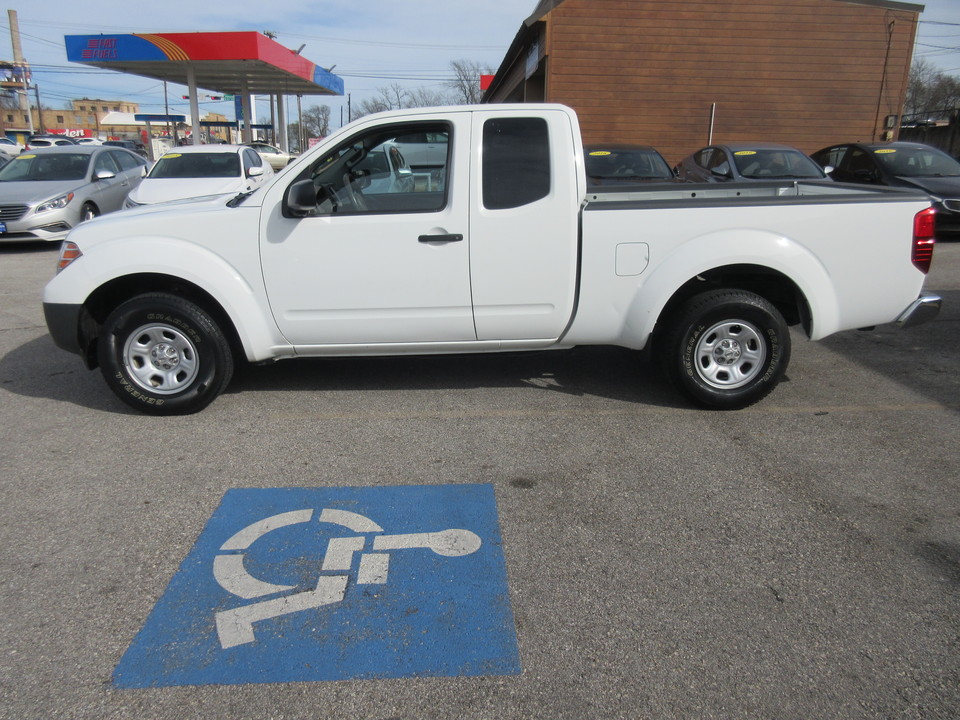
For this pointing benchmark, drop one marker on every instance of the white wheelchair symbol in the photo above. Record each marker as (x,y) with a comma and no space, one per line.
(235,626)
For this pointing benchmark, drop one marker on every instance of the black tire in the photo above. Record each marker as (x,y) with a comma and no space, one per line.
(88,212)
(164,355)
(725,349)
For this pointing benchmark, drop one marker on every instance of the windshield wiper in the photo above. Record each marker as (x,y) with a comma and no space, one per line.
(234,201)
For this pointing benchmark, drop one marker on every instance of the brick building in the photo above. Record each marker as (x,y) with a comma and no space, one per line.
(674,74)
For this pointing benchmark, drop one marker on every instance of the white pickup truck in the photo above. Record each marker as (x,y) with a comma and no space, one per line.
(503,247)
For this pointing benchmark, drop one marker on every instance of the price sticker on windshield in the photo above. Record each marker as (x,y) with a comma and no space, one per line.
(884,151)
(745,152)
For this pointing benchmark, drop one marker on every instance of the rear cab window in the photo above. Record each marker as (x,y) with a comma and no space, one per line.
(516,162)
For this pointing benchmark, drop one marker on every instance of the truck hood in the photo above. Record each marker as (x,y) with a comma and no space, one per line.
(944,187)
(31,192)
(160,190)
(176,220)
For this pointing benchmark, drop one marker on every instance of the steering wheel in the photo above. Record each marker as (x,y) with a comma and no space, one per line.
(356,199)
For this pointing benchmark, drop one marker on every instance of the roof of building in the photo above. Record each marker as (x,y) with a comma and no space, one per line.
(228,62)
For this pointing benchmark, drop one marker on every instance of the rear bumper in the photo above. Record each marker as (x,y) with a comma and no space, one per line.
(924,308)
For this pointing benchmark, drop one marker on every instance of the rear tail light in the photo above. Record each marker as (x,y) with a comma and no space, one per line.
(924,238)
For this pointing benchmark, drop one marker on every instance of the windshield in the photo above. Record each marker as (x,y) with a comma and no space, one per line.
(627,164)
(197,165)
(777,163)
(52,166)
(917,162)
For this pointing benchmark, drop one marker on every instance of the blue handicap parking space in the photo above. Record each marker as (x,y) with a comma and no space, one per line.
(296,584)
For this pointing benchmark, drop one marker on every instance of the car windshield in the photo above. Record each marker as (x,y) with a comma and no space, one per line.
(627,164)
(46,166)
(776,163)
(197,165)
(917,162)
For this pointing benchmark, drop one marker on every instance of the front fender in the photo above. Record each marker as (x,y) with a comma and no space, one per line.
(704,253)
(227,281)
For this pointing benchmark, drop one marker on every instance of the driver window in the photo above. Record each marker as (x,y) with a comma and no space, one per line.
(105,162)
(372,173)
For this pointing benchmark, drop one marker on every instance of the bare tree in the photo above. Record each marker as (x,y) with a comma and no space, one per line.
(465,85)
(463,89)
(930,92)
(394,97)
(316,121)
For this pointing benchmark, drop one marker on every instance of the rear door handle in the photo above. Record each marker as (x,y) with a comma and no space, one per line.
(441,238)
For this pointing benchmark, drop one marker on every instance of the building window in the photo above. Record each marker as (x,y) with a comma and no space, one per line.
(90,119)
(83,108)
(60,119)
(116,108)
(9,118)
(103,107)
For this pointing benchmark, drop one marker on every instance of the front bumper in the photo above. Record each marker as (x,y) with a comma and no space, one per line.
(64,324)
(924,308)
(51,226)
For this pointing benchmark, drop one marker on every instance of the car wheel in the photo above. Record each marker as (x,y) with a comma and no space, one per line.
(725,349)
(164,355)
(88,212)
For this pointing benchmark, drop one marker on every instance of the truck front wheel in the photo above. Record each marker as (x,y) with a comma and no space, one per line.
(726,349)
(164,355)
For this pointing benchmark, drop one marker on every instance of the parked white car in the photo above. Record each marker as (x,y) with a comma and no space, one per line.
(196,171)
(9,147)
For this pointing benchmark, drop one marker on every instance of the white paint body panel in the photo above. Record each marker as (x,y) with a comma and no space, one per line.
(524,278)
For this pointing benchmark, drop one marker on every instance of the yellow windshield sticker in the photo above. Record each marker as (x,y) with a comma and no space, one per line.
(24,157)
(599,153)
(171,155)
(884,151)
(745,152)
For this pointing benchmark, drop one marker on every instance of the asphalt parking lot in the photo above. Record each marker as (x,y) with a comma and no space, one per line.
(798,559)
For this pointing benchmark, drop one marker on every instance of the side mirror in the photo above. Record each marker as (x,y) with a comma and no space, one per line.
(301,199)
(255,171)
(721,171)
(105,174)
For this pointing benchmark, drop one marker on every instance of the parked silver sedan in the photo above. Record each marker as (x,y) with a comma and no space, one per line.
(45,193)
(277,158)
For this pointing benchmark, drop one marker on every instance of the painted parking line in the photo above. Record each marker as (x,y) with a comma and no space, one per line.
(296,584)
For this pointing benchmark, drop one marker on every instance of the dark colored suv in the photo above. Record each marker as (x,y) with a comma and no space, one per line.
(129,145)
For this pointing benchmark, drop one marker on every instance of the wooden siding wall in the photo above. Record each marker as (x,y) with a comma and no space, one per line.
(804,72)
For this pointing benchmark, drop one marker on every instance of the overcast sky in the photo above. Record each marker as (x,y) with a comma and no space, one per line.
(373,43)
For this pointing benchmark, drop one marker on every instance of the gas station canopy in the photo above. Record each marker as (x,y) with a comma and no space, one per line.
(227,62)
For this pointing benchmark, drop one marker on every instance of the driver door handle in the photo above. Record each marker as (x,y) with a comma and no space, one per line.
(441,238)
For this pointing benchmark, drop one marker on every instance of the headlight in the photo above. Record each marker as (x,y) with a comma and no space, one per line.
(69,252)
(128,203)
(55,204)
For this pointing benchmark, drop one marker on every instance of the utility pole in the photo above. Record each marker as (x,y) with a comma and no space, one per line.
(36,89)
(19,62)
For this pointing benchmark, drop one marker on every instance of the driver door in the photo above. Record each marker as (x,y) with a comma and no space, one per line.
(384,256)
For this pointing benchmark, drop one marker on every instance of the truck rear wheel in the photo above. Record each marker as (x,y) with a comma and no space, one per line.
(726,349)
(164,355)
